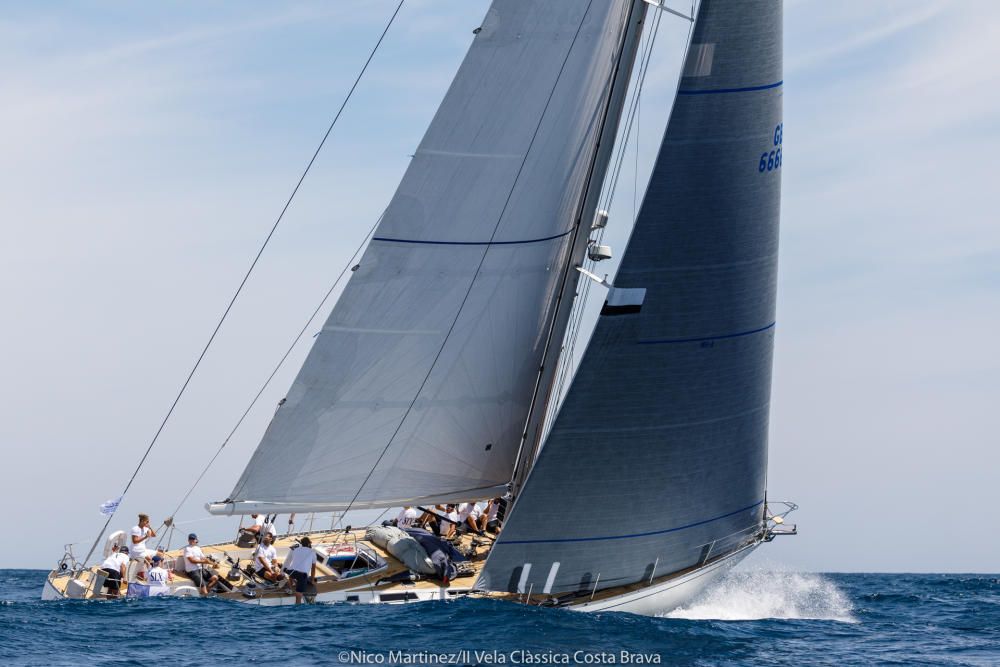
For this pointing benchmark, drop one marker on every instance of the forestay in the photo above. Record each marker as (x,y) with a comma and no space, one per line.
(418,387)
(657,460)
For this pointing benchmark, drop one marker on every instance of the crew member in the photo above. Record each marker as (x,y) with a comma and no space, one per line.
(493,515)
(158,577)
(407,517)
(257,523)
(265,560)
(114,567)
(301,566)
(468,517)
(194,566)
(448,523)
(429,519)
(138,549)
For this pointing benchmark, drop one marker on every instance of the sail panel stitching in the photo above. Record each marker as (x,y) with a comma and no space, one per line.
(482,259)
(706,338)
(541,240)
(722,91)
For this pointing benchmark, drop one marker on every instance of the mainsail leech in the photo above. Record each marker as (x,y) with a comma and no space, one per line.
(657,460)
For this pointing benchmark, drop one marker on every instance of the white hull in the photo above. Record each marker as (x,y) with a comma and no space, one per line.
(649,601)
(655,598)
(670,594)
(366,596)
(50,593)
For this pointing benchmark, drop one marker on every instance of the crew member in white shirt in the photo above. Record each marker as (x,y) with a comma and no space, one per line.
(301,566)
(115,567)
(429,519)
(138,549)
(194,566)
(469,515)
(259,525)
(265,560)
(492,511)
(447,525)
(158,578)
(407,517)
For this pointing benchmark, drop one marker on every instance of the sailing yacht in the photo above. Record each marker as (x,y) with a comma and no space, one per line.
(435,378)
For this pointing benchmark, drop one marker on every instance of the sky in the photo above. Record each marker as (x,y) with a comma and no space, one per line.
(146,149)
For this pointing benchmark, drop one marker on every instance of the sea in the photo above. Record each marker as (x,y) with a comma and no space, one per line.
(749,618)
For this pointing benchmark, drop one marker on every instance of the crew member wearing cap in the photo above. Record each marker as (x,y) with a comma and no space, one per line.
(301,566)
(158,578)
(194,566)
(114,567)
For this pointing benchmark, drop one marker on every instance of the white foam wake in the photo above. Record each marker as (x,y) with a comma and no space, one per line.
(753,595)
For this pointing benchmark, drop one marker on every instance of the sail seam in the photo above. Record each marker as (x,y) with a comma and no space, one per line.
(480,243)
(723,91)
(482,259)
(740,334)
(626,537)
(695,267)
(666,427)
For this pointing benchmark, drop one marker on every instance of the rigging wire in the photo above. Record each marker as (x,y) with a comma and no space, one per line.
(246,277)
(374,522)
(580,305)
(280,363)
(479,267)
(569,277)
(635,171)
(566,372)
(677,87)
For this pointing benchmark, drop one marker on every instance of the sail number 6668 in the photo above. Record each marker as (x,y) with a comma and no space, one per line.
(771,160)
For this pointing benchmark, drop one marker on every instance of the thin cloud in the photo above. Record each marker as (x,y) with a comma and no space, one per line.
(850,43)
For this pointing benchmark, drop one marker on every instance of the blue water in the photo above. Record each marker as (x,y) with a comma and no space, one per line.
(751,618)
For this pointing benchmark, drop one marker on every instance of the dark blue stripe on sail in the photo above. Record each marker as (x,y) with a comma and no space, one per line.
(626,537)
(664,341)
(547,238)
(721,91)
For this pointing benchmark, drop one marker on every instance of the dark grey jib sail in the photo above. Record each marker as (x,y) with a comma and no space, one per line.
(657,460)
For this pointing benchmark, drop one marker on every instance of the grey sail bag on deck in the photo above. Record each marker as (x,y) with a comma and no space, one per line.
(403,547)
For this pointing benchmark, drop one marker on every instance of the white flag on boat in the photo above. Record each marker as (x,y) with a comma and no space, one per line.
(109,507)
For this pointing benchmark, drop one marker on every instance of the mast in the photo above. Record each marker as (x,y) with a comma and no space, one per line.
(533,431)
(658,455)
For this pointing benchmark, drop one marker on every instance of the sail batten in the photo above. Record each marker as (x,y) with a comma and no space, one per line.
(657,459)
(420,382)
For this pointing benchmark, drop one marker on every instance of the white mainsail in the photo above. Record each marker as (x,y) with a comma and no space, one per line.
(418,388)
